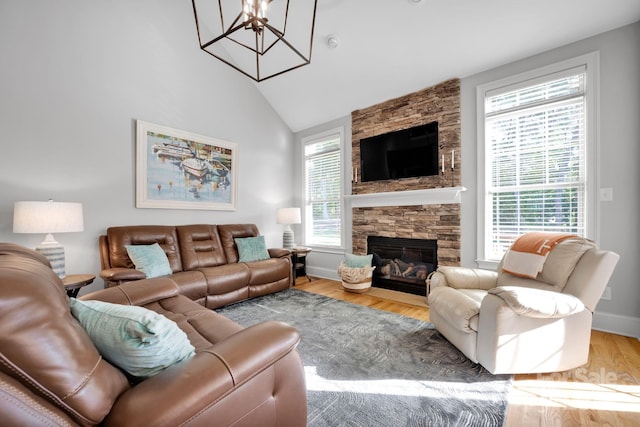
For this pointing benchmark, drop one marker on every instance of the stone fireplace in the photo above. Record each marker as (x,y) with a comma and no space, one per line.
(422,208)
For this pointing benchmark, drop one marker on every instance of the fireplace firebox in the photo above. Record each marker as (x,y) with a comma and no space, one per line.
(402,264)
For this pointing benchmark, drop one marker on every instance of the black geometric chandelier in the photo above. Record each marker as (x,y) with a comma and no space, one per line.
(259,38)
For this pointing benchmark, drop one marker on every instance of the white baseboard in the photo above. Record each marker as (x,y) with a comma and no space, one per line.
(323,273)
(616,324)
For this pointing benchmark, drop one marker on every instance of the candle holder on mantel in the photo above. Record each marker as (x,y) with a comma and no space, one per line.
(453,164)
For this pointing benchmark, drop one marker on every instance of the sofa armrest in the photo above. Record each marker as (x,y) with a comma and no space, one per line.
(140,292)
(193,388)
(279,253)
(464,278)
(121,275)
(531,302)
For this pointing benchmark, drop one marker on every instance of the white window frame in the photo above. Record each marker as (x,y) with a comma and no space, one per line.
(591,62)
(306,212)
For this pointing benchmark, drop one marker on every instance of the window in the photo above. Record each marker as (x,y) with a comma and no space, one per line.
(536,157)
(323,189)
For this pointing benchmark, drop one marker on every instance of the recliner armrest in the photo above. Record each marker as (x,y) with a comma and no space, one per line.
(279,252)
(531,302)
(140,292)
(464,278)
(121,274)
(188,390)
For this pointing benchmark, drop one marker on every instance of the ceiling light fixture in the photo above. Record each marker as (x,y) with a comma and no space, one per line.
(259,38)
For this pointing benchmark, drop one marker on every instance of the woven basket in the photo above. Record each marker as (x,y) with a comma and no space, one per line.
(355,279)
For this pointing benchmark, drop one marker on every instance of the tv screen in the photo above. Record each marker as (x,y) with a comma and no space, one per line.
(405,153)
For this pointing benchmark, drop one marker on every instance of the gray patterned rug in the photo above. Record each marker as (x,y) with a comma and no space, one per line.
(367,367)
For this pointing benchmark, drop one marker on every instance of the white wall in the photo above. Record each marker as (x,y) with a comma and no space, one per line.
(74,77)
(619,130)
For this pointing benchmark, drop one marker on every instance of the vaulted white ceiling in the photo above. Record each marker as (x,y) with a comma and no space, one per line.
(389,48)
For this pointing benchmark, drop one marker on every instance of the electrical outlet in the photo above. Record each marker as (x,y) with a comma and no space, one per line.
(607,294)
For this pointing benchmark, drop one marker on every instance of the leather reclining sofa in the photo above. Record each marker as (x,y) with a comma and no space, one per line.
(203,258)
(52,374)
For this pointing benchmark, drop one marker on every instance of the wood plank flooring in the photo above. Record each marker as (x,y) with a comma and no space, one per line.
(605,392)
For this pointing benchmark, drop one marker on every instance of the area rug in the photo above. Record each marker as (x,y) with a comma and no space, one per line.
(367,367)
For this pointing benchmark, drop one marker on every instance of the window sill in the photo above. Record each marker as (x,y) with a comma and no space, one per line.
(487,264)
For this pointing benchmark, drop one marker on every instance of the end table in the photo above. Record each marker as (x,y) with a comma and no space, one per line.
(299,261)
(73,282)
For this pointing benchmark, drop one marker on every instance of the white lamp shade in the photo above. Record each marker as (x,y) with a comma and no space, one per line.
(47,217)
(288,216)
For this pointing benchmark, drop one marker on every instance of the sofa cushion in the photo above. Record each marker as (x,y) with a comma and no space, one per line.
(200,246)
(252,249)
(165,236)
(150,259)
(531,302)
(138,340)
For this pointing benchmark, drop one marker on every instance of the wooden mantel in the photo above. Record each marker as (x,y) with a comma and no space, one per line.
(431,196)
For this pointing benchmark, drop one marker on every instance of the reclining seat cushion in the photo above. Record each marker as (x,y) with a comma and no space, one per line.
(34,315)
(165,236)
(203,327)
(268,271)
(200,246)
(531,302)
(461,307)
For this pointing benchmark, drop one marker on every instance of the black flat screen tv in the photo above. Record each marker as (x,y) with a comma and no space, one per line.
(404,153)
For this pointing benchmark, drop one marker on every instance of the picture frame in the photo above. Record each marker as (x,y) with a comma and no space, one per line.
(177,169)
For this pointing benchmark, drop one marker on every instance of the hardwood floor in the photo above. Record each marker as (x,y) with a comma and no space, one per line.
(605,392)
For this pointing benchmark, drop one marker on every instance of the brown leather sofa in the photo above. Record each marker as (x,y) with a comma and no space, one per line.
(203,258)
(52,374)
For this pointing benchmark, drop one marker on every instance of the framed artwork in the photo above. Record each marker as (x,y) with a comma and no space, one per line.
(176,169)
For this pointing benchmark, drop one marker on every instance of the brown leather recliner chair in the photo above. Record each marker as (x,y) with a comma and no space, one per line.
(52,374)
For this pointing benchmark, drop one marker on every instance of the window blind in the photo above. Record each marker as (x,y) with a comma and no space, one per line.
(536,140)
(323,183)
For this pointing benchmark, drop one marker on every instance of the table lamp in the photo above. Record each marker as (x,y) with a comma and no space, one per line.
(48,218)
(288,216)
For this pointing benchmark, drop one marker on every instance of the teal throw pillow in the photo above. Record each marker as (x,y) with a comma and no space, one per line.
(150,259)
(358,261)
(252,249)
(135,339)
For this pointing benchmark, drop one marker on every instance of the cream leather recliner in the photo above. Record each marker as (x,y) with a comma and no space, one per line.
(511,324)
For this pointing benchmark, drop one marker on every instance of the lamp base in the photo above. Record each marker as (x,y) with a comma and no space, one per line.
(54,252)
(287,239)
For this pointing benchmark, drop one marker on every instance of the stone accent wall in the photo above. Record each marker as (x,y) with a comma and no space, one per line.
(439,103)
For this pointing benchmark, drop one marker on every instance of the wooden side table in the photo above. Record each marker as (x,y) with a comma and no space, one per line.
(299,261)
(74,282)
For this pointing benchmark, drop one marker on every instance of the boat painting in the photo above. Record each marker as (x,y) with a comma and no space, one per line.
(181,170)
(196,167)
(172,150)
